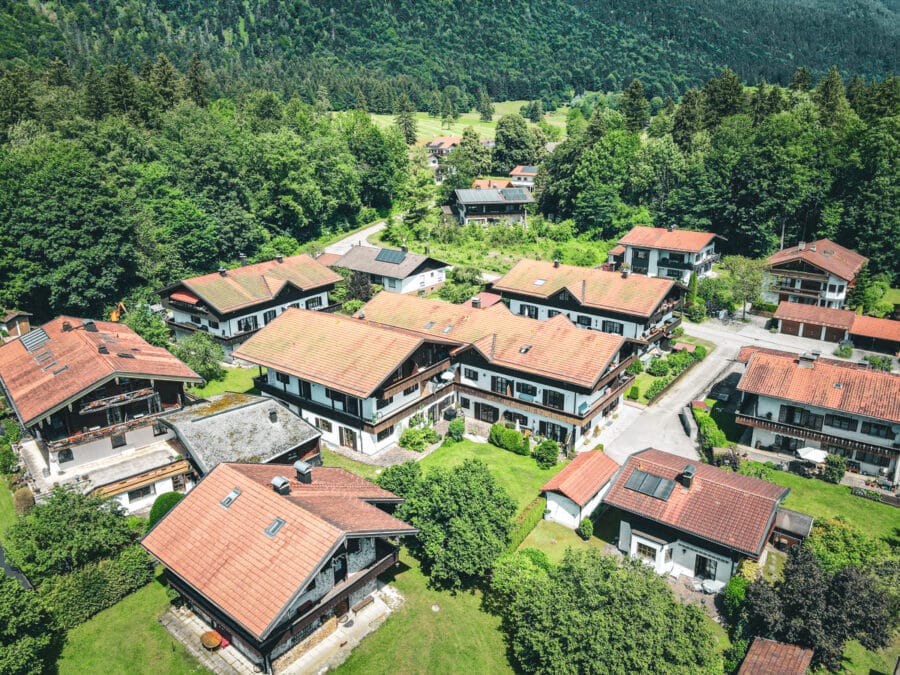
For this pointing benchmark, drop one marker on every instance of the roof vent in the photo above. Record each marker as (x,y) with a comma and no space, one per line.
(281,485)
(222,271)
(540,282)
(801,246)
(279,258)
(304,472)
(243,258)
(524,349)
(230,497)
(362,314)
(828,252)
(670,227)
(66,326)
(812,247)
(102,349)
(273,528)
(687,475)
(429,325)
(404,248)
(273,415)
(838,385)
(476,302)
(125,355)
(89,325)
(447,329)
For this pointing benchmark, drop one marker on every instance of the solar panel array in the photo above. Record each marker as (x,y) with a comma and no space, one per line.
(650,485)
(390,256)
(34,339)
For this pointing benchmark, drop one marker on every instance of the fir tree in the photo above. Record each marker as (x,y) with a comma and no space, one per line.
(635,106)
(164,79)
(197,83)
(831,98)
(485,107)
(405,119)
(688,119)
(801,81)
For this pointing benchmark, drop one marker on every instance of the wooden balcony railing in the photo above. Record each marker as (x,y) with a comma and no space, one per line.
(751,420)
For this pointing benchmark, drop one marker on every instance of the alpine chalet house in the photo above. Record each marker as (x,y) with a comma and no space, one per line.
(91,394)
(359,384)
(231,305)
(550,377)
(641,309)
(792,402)
(486,207)
(438,149)
(818,273)
(523,176)
(692,520)
(396,271)
(266,554)
(666,252)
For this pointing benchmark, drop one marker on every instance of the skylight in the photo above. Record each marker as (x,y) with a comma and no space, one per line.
(230,497)
(447,329)
(272,529)
(540,282)
(429,325)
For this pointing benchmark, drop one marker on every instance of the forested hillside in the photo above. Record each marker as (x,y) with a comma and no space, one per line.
(372,50)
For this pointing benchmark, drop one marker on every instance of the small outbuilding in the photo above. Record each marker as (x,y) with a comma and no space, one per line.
(766,657)
(574,493)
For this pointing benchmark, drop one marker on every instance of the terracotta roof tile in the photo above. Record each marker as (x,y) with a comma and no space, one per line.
(669,240)
(366,259)
(555,348)
(225,554)
(253,284)
(637,295)
(862,391)
(487,299)
(524,171)
(443,142)
(767,657)
(821,316)
(722,507)
(831,257)
(328,259)
(70,364)
(880,329)
(335,351)
(490,184)
(583,477)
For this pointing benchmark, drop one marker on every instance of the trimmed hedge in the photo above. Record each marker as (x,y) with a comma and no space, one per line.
(526,522)
(546,453)
(585,529)
(634,393)
(456,428)
(74,598)
(711,436)
(657,387)
(508,439)
(161,506)
(658,367)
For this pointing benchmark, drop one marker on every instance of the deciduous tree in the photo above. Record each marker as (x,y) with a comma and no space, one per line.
(30,640)
(202,354)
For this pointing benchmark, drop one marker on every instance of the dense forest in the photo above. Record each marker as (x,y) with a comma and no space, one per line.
(369,52)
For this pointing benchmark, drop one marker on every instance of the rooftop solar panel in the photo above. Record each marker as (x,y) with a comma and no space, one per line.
(650,485)
(33,340)
(390,256)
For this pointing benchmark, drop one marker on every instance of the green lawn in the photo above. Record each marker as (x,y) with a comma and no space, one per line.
(691,340)
(239,380)
(459,636)
(892,296)
(7,511)
(824,500)
(127,638)
(554,539)
(725,420)
(331,458)
(861,661)
(643,382)
(520,476)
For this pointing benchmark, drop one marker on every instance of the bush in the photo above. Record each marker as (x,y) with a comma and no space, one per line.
(711,436)
(585,529)
(511,440)
(657,387)
(734,655)
(494,437)
(526,522)
(12,431)
(636,367)
(678,332)
(760,306)
(351,306)
(700,353)
(634,393)
(735,595)
(9,463)
(680,361)
(835,466)
(697,312)
(161,506)
(456,428)
(416,439)
(880,362)
(658,367)
(23,500)
(546,453)
(844,351)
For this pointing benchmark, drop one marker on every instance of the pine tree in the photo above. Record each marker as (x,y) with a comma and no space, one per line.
(120,89)
(722,96)
(688,119)
(760,103)
(323,103)
(856,94)
(447,112)
(58,74)
(360,101)
(197,83)
(831,98)
(485,107)
(801,81)
(434,103)
(635,106)
(405,119)
(164,79)
(95,103)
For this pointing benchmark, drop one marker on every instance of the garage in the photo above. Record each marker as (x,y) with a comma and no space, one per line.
(790,327)
(834,334)
(809,321)
(812,330)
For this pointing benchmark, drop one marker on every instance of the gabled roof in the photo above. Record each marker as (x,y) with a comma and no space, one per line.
(827,383)
(490,183)
(555,349)
(386,262)
(225,554)
(10,314)
(235,427)
(688,241)
(722,507)
(583,477)
(824,254)
(600,289)
(335,351)
(820,316)
(60,361)
(767,657)
(486,298)
(880,329)
(253,284)
(443,142)
(501,196)
(524,171)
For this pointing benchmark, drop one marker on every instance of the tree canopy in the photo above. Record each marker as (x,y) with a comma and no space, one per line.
(30,640)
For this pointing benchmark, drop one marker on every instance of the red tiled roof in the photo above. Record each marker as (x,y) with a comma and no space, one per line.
(583,477)
(443,142)
(225,555)
(767,657)
(862,391)
(328,259)
(617,250)
(668,240)
(487,299)
(335,351)
(831,257)
(253,284)
(70,364)
(185,296)
(749,350)
(637,295)
(880,329)
(522,170)
(10,314)
(813,314)
(490,184)
(722,507)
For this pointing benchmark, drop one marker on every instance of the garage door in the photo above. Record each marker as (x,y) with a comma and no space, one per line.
(834,334)
(790,327)
(811,330)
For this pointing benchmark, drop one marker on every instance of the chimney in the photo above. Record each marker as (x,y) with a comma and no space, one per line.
(89,325)
(670,227)
(222,271)
(362,314)
(279,258)
(556,261)
(273,415)
(281,485)
(66,326)
(304,472)
(801,246)
(243,259)
(404,249)
(476,302)
(807,360)
(687,476)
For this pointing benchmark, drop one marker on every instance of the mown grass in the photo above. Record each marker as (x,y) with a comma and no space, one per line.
(555,539)
(239,380)
(7,510)
(367,471)
(861,661)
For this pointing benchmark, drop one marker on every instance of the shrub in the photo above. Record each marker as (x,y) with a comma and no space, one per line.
(680,361)
(760,306)
(734,655)
(585,529)
(161,506)
(636,367)
(711,436)
(546,453)
(456,428)
(634,393)
(494,437)
(12,431)
(23,500)
(526,522)
(658,367)
(352,306)
(678,332)
(697,312)
(700,353)
(880,362)
(511,440)
(8,460)
(835,466)
(735,595)
(844,351)
(413,439)
(657,387)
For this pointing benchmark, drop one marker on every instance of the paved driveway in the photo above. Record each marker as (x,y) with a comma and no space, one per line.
(341,246)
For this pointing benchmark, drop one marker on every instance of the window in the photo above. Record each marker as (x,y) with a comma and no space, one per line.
(390,283)
(305,389)
(840,422)
(555,432)
(799,417)
(501,385)
(324,425)
(877,430)
(464,402)
(384,402)
(159,429)
(584,321)
(552,312)
(118,440)
(246,324)
(230,497)
(486,413)
(411,390)
(526,388)
(470,374)
(528,310)
(142,492)
(314,303)
(268,315)
(554,399)
(65,455)
(646,552)
(613,327)
(195,319)
(669,554)
(273,527)
(353,545)
(514,417)
(385,433)
(283,378)
(213,324)
(832,288)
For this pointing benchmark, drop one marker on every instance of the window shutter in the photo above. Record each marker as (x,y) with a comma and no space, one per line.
(782,413)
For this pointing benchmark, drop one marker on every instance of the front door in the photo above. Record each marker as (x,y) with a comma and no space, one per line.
(705,568)
(340,568)
(348,438)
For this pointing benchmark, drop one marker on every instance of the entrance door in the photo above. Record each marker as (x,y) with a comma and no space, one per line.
(340,568)
(705,568)
(348,438)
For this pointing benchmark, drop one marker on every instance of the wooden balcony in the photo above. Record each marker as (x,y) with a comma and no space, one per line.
(750,420)
(420,376)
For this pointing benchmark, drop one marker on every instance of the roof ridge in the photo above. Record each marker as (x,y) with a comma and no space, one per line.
(712,478)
